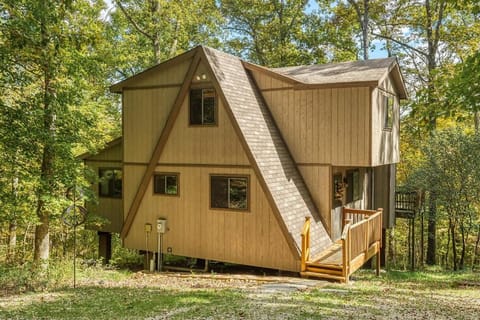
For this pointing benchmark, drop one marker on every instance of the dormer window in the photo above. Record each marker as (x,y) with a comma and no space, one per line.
(202,107)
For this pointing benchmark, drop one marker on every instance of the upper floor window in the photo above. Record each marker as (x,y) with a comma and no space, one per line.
(388,111)
(110,182)
(202,107)
(165,183)
(229,192)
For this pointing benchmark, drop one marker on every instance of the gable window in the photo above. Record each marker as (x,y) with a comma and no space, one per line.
(202,107)
(110,182)
(165,183)
(388,112)
(354,185)
(229,192)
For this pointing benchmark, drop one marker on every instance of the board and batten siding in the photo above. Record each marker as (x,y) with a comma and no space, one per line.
(146,107)
(213,144)
(110,209)
(321,125)
(250,237)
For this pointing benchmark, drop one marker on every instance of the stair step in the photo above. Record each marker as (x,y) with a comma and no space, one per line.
(307,274)
(325,266)
(325,271)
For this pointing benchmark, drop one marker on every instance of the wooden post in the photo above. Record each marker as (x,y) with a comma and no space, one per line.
(105,246)
(378,263)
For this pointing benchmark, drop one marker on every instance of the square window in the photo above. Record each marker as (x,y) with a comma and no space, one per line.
(166,184)
(229,192)
(202,107)
(110,182)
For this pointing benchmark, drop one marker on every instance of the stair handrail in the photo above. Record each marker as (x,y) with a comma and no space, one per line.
(305,254)
(345,241)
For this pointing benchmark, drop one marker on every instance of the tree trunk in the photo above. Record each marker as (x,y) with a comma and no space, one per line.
(464,247)
(12,241)
(476,252)
(454,245)
(432,230)
(42,236)
(391,248)
(365,39)
(477,121)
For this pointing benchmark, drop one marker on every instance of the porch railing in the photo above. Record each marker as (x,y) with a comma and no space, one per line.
(361,239)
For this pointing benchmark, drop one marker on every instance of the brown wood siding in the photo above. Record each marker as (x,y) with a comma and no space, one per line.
(217,144)
(145,114)
(172,75)
(111,154)
(109,209)
(318,180)
(385,143)
(253,237)
(328,126)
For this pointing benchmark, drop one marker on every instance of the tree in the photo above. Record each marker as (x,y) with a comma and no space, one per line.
(451,170)
(272,33)
(145,33)
(49,56)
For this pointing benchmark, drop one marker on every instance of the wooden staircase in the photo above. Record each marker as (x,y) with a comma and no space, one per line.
(361,239)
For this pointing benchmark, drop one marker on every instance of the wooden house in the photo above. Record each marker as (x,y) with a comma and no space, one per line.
(252,165)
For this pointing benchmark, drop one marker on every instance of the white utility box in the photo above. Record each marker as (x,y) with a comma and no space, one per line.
(161,225)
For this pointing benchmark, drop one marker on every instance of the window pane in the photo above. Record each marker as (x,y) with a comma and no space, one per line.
(171,185)
(196,106)
(110,183)
(218,192)
(388,112)
(356,185)
(208,106)
(117,184)
(105,177)
(238,193)
(159,184)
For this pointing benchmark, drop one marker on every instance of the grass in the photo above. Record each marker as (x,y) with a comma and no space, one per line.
(110,294)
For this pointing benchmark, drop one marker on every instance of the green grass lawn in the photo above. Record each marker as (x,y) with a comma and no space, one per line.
(121,295)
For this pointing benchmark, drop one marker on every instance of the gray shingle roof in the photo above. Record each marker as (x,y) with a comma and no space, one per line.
(343,72)
(272,158)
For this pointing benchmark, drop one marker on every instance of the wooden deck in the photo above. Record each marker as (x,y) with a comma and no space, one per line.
(360,241)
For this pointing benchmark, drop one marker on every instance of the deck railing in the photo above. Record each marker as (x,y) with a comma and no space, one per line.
(361,238)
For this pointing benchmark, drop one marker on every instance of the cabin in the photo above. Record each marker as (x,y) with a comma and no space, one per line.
(221,159)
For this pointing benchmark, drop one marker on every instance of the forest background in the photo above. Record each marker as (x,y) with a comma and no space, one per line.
(58,59)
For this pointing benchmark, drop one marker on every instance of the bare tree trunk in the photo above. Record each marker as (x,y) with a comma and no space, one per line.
(366,43)
(476,251)
(477,121)
(454,245)
(42,237)
(12,241)
(464,246)
(391,247)
(432,230)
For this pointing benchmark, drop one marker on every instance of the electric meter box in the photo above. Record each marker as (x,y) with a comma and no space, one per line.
(161,225)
